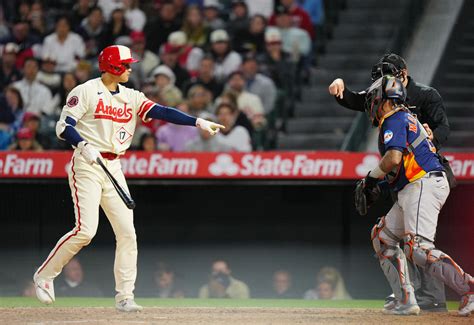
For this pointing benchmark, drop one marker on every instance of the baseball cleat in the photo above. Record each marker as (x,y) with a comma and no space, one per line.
(390,302)
(44,289)
(403,310)
(434,307)
(466,307)
(128,305)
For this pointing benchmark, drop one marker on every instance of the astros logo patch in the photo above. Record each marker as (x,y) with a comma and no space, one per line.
(72,101)
(387,136)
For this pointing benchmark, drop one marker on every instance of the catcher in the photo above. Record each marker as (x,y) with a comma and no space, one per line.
(414,172)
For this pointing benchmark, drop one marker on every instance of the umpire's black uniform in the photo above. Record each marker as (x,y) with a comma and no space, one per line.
(423,100)
(428,105)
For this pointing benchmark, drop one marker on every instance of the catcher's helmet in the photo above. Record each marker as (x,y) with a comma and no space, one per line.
(384,88)
(113,58)
(389,64)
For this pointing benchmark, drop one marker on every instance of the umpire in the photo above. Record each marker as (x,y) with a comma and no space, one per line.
(427,104)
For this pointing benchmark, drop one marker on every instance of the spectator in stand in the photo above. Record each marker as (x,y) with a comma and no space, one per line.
(135,17)
(147,59)
(194,26)
(173,137)
(234,136)
(261,7)
(211,15)
(92,31)
(66,45)
(205,77)
(37,20)
(8,105)
(25,141)
(73,283)
(165,283)
(247,102)
(199,100)
(11,109)
(205,142)
(222,285)
(8,72)
(239,18)
(189,56)
(33,121)
(282,286)
(299,17)
(276,63)
(108,6)
(157,31)
(329,285)
(230,97)
(80,11)
(115,28)
(253,38)
(48,75)
(26,42)
(259,84)
(147,142)
(226,60)
(83,71)
(169,56)
(315,10)
(180,7)
(296,41)
(68,82)
(35,95)
(164,82)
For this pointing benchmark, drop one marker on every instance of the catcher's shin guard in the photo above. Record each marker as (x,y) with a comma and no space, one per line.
(440,265)
(393,263)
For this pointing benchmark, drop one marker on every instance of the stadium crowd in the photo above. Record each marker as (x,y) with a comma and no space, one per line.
(240,63)
(166,282)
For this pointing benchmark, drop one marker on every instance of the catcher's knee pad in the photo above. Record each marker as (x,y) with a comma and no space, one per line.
(383,239)
(443,267)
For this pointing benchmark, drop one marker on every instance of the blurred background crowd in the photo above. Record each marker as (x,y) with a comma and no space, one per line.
(241,63)
(167,282)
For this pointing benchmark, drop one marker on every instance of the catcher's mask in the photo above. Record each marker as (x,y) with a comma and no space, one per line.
(389,64)
(383,89)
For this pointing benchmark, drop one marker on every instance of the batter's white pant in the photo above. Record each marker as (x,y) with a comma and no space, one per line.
(90,188)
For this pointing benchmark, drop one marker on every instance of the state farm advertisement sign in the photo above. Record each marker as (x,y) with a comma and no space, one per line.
(255,165)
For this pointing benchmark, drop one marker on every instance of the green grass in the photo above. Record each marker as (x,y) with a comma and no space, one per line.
(153,302)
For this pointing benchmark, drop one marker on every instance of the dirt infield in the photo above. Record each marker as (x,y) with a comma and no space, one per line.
(227,316)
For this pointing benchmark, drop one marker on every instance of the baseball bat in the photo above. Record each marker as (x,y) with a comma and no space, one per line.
(126,198)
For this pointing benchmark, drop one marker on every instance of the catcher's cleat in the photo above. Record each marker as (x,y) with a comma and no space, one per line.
(434,307)
(128,305)
(466,307)
(403,310)
(44,289)
(390,302)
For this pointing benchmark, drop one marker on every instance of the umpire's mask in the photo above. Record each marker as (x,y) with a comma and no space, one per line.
(384,88)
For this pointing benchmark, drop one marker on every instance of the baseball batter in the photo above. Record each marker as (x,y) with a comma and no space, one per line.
(99,120)
(413,170)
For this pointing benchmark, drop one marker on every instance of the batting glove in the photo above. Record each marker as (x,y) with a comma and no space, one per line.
(211,127)
(89,153)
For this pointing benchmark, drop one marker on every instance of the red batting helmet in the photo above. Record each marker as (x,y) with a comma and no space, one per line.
(112,59)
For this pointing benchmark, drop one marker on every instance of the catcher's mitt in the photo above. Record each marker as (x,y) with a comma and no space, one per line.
(366,193)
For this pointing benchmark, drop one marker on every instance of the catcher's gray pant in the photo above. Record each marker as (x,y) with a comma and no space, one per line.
(414,218)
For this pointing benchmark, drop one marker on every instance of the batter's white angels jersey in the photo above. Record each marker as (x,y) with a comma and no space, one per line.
(104,120)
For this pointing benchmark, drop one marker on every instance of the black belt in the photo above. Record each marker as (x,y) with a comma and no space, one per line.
(436,173)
